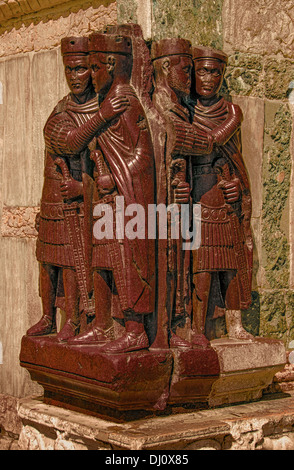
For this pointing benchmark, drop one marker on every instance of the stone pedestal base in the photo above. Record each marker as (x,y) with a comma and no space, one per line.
(266,424)
(246,369)
(81,378)
(131,386)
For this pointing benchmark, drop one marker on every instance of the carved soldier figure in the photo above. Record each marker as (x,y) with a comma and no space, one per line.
(172,62)
(124,168)
(220,184)
(61,251)
(63,192)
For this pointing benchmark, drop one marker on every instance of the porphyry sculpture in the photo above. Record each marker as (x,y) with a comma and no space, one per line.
(136,302)
(220,185)
(172,61)
(124,167)
(64,273)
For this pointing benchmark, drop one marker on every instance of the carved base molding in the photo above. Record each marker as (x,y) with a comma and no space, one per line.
(263,425)
(130,386)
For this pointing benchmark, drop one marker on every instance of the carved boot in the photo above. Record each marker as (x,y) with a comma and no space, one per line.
(94,335)
(45,326)
(200,341)
(69,330)
(176,342)
(134,339)
(234,326)
(197,341)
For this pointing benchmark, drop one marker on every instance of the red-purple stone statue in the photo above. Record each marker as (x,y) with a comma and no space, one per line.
(63,267)
(135,335)
(172,61)
(220,185)
(65,271)
(124,171)
(204,141)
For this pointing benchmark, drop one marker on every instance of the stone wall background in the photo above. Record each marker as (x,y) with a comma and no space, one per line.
(258,35)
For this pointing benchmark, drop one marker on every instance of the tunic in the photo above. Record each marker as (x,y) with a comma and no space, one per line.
(53,243)
(225,228)
(126,148)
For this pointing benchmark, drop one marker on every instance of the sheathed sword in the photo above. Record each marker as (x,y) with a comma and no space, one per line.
(178,175)
(77,245)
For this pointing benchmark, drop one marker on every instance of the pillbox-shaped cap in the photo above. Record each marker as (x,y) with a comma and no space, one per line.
(74,45)
(169,47)
(203,52)
(110,43)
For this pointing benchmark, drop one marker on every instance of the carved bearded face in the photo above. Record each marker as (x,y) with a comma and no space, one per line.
(179,74)
(78,73)
(208,77)
(101,71)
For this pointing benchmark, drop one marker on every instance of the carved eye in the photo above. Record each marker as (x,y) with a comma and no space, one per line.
(201,72)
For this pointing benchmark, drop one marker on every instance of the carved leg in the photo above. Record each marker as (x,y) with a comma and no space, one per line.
(103,295)
(71,291)
(202,282)
(48,283)
(233,313)
(100,330)
(234,325)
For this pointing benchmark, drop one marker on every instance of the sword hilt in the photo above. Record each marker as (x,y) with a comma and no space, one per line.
(98,159)
(64,168)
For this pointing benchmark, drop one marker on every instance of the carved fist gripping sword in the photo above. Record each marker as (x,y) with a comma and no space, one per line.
(77,245)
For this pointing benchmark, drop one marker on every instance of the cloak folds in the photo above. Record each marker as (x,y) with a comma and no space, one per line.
(127,150)
(207,119)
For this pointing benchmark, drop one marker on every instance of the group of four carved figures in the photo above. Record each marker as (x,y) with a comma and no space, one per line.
(152,128)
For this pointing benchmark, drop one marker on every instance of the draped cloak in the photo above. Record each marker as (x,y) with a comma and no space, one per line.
(207,119)
(127,149)
(172,153)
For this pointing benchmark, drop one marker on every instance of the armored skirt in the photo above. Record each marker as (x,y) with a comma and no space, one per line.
(54,244)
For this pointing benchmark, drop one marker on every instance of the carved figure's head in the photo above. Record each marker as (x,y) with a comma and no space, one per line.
(110,58)
(75,55)
(209,65)
(172,61)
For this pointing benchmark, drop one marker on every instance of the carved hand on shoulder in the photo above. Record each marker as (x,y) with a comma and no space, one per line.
(113,107)
(71,188)
(231,190)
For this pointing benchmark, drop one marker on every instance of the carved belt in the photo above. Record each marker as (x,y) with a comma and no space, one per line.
(55,211)
(219,215)
(204,170)
(107,199)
